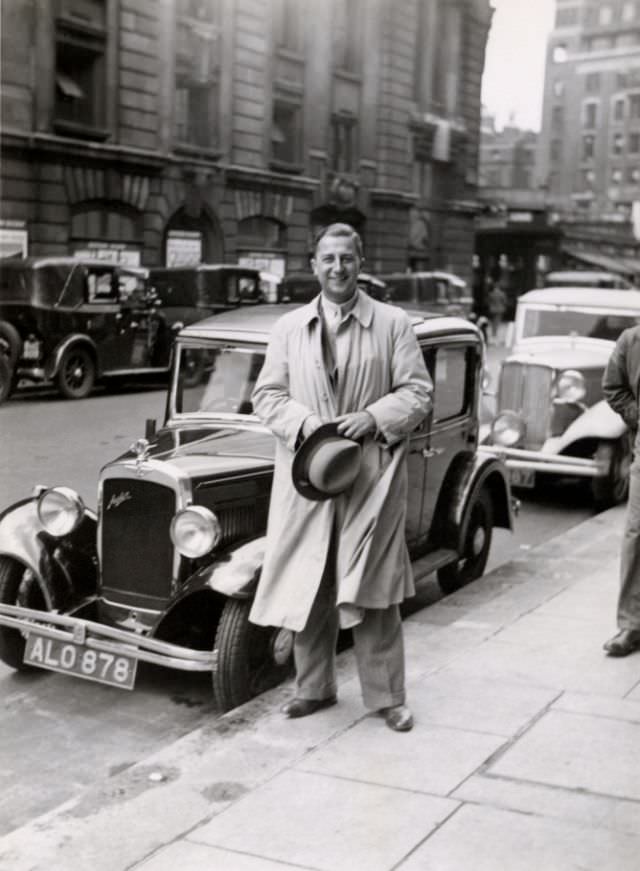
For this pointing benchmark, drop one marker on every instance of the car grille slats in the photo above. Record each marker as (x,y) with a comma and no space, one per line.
(137,552)
(526,389)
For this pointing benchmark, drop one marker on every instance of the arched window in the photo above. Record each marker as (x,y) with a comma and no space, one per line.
(106,229)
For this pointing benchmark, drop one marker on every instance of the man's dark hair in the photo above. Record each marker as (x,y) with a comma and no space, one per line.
(344,230)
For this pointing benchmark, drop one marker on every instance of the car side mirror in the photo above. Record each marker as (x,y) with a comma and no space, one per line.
(150,428)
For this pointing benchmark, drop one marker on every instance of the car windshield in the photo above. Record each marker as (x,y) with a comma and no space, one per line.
(575,322)
(217,380)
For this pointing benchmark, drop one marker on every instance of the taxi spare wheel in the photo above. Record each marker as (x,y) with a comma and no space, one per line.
(10,342)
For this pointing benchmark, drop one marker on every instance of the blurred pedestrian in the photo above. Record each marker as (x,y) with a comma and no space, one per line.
(341,562)
(497,304)
(621,383)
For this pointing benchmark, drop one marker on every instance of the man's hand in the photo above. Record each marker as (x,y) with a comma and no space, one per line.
(356,424)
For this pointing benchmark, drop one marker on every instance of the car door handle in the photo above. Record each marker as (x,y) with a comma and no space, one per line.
(432,452)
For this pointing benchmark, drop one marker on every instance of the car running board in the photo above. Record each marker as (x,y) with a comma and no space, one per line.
(432,562)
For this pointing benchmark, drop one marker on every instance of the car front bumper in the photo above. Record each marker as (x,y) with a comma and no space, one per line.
(106,639)
(542,461)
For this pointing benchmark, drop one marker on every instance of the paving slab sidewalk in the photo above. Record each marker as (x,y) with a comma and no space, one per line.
(525,755)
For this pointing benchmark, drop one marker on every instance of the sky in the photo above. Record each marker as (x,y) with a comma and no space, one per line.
(513,77)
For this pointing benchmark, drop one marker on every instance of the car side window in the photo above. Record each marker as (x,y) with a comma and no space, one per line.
(450,381)
(101,287)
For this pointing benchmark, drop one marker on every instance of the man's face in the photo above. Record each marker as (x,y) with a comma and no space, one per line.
(336,266)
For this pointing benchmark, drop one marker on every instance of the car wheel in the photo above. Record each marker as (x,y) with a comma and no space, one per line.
(472,560)
(614,487)
(6,378)
(77,373)
(249,659)
(10,343)
(17,587)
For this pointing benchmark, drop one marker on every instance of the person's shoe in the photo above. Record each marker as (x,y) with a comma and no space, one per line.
(304,707)
(399,718)
(624,643)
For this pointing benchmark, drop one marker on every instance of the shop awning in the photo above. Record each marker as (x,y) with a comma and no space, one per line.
(629,266)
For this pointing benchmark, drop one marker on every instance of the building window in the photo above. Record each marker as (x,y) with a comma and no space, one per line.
(80,93)
(590,115)
(559,54)
(588,147)
(605,15)
(285,132)
(629,10)
(617,143)
(634,143)
(557,117)
(616,175)
(618,109)
(197,74)
(588,178)
(558,88)
(288,25)
(113,229)
(567,17)
(633,174)
(347,28)
(634,107)
(343,143)
(555,151)
(426,52)
(592,83)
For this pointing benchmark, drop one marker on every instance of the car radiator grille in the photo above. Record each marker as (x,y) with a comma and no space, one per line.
(137,552)
(526,389)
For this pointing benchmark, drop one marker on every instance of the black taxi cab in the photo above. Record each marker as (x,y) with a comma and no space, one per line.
(164,570)
(73,321)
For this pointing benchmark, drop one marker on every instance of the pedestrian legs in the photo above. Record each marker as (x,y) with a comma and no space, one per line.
(379,650)
(314,648)
(629,598)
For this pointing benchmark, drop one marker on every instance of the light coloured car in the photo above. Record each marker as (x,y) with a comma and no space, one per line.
(550,416)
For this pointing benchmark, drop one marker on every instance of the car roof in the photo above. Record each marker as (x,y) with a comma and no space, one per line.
(580,273)
(254,323)
(63,260)
(589,297)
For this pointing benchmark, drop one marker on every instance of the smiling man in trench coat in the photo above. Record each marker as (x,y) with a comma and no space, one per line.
(342,562)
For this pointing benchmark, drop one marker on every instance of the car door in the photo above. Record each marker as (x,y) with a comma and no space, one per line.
(454,367)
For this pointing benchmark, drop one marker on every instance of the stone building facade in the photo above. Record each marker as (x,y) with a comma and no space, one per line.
(170,131)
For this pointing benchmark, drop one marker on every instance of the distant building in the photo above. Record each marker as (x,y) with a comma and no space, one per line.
(223,130)
(507,158)
(589,152)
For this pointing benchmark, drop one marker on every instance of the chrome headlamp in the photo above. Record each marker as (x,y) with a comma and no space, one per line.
(570,386)
(195,531)
(507,429)
(60,510)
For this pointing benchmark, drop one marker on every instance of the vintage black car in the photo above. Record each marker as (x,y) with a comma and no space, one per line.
(437,291)
(191,293)
(165,570)
(303,286)
(74,321)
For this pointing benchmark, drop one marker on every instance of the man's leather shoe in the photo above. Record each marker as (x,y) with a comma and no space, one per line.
(624,643)
(304,707)
(399,718)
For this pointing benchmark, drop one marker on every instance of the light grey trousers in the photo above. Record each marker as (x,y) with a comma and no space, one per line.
(378,645)
(629,597)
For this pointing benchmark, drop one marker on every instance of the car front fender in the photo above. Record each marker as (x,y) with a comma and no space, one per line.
(65,569)
(599,421)
(234,575)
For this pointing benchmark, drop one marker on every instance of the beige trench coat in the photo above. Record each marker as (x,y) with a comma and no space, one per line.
(389,379)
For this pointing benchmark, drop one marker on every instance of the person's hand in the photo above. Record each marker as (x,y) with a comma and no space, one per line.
(356,424)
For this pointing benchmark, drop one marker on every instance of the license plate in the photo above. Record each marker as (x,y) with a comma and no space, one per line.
(69,658)
(30,351)
(522,477)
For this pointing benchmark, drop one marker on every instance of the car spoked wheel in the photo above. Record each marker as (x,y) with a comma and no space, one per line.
(477,543)
(249,659)
(77,373)
(615,457)
(18,586)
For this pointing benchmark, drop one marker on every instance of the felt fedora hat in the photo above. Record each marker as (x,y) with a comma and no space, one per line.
(325,464)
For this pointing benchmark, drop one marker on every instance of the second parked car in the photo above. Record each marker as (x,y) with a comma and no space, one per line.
(551,416)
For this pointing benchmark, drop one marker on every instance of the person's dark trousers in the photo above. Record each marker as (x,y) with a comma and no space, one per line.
(629,597)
